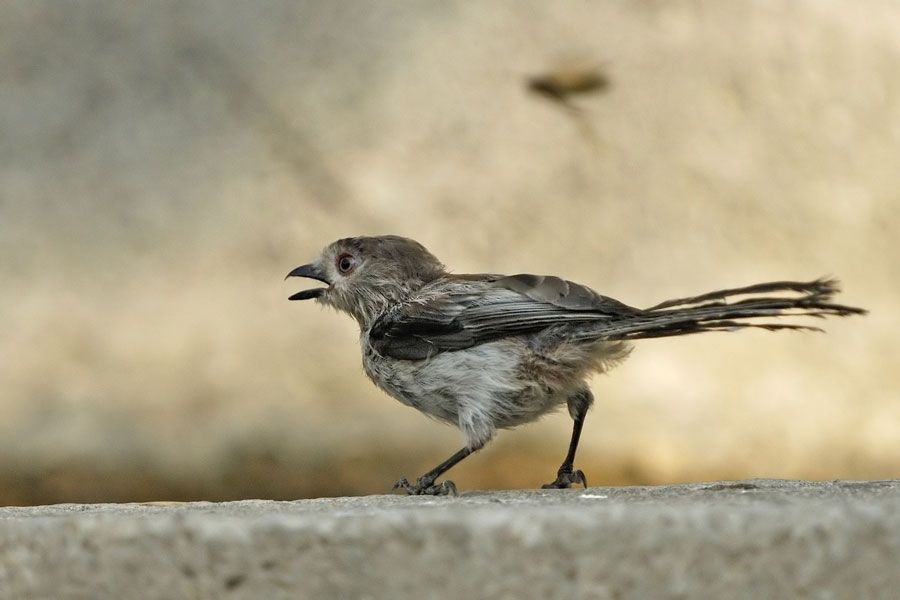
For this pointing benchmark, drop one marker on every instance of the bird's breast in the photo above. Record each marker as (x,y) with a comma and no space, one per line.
(488,380)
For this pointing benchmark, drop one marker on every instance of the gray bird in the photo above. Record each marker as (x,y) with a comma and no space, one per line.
(486,352)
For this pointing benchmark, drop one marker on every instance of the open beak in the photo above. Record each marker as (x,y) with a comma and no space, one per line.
(310,272)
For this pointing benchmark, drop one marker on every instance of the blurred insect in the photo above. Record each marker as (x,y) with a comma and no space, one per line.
(572,78)
(568,80)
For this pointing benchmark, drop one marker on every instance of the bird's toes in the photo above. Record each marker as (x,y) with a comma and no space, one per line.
(403,484)
(443,488)
(426,487)
(565,478)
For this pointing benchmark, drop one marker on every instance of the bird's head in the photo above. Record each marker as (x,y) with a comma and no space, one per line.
(365,275)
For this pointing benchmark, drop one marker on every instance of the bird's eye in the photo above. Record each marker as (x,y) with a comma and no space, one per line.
(346,263)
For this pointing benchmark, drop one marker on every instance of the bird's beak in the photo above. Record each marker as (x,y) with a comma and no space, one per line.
(310,272)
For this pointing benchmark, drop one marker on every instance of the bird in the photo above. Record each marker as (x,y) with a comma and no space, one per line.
(486,352)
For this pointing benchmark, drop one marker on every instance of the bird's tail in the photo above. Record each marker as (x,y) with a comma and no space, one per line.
(761,306)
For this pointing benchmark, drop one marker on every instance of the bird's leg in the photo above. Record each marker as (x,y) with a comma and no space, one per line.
(425,484)
(567,474)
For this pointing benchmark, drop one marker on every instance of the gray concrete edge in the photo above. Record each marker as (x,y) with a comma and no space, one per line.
(758,538)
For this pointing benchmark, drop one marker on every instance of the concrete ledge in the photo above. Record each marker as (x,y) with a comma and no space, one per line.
(761,538)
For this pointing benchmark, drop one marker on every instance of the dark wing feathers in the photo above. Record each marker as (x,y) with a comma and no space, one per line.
(459,312)
(561,293)
(412,331)
(473,312)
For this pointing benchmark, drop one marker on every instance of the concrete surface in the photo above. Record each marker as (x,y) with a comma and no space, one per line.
(749,539)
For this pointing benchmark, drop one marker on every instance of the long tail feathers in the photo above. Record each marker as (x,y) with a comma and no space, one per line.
(752,306)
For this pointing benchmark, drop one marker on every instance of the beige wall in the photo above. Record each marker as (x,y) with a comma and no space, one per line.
(164,165)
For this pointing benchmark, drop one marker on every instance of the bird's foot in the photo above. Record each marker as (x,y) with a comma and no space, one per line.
(426,487)
(565,477)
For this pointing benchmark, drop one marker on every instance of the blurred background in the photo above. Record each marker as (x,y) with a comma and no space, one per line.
(165,164)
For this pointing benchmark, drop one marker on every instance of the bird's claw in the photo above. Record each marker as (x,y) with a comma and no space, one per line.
(425,487)
(565,478)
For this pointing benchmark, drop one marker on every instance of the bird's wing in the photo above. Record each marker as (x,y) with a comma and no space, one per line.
(462,312)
